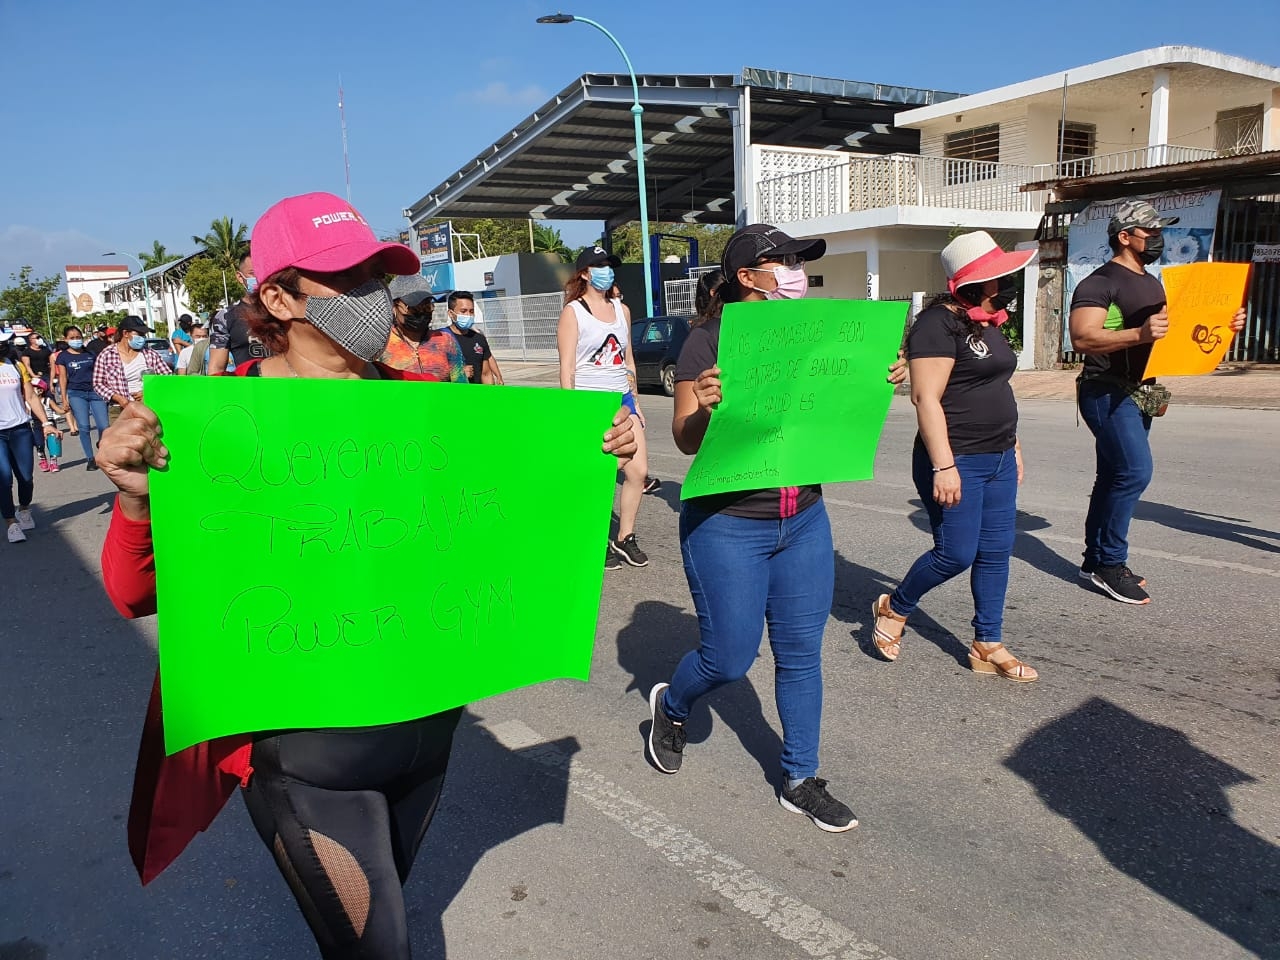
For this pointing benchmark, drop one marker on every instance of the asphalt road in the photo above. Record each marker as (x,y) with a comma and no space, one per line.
(1124,806)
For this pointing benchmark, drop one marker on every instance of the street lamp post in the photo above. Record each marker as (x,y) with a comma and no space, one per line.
(636,111)
(146,290)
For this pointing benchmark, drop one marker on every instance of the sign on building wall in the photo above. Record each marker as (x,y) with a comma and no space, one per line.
(1190,240)
(1266,253)
(439,275)
(435,244)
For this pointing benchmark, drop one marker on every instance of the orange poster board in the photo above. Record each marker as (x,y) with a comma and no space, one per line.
(1202,299)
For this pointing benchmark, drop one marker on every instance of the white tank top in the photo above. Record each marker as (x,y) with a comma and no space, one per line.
(13,403)
(602,351)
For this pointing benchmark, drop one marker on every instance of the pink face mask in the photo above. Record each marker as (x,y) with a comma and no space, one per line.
(793,283)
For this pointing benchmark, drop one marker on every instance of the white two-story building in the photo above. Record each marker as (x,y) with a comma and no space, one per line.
(886,217)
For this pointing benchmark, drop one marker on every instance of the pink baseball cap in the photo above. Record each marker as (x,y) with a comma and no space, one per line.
(324,233)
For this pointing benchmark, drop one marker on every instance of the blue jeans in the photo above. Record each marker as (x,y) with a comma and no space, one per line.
(744,573)
(84,402)
(17,459)
(976,535)
(1120,431)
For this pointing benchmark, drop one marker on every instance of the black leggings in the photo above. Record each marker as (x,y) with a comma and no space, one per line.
(343,812)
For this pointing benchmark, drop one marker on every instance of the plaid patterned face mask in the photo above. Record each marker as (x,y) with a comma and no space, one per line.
(359,320)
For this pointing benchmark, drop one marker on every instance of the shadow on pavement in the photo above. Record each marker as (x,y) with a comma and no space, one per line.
(856,590)
(492,794)
(650,647)
(1231,529)
(1156,807)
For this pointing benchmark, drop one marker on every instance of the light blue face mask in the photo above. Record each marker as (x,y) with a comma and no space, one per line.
(136,342)
(250,284)
(602,278)
(75,344)
(465,321)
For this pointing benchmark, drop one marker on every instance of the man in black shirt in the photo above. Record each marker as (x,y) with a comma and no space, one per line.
(229,339)
(98,342)
(1117,313)
(476,353)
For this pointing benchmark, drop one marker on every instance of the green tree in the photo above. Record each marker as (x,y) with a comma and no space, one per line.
(158,256)
(548,240)
(711,241)
(498,237)
(225,244)
(204,283)
(33,301)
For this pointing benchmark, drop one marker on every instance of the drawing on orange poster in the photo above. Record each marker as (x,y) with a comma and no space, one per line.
(1202,298)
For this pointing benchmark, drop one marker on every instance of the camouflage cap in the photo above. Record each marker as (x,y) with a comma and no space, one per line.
(1137,214)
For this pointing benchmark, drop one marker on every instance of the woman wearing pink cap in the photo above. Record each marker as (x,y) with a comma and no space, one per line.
(342,811)
(967,464)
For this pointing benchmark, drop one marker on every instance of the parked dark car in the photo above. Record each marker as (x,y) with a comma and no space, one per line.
(656,343)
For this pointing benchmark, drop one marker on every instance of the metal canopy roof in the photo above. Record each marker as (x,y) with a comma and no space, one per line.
(574,159)
(178,268)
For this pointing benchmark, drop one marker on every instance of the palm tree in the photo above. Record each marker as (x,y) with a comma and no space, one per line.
(158,256)
(548,240)
(225,243)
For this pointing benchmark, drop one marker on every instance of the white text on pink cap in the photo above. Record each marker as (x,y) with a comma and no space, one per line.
(341,215)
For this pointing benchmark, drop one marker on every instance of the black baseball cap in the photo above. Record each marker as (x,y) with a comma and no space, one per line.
(753,243)
(135,323)
(596,256)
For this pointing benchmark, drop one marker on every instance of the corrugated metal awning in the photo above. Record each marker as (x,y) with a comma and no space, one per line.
(575,157)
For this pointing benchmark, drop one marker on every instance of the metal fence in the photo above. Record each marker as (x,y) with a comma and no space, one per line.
(678,296)
(518,328)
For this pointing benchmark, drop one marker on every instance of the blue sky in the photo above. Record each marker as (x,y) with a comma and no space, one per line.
(141,120)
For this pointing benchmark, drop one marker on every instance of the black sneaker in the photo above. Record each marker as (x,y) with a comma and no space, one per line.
(811,799)
(629,551)
(652,484)
(1089,566)
(93,465)
(666,737)
(1119,583)
(611,562)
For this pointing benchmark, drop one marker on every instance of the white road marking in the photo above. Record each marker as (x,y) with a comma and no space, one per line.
(794,921)
(1188,559)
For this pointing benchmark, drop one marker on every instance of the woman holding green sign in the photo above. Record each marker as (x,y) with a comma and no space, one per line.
(966,463)
(343,811)
(753,556)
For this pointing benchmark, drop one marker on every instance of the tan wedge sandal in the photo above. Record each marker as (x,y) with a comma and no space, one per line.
(886,633)
(1011,669)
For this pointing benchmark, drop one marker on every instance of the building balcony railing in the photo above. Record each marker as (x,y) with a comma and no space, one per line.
(856,184)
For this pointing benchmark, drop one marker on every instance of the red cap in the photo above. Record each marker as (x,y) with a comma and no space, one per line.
(324,233)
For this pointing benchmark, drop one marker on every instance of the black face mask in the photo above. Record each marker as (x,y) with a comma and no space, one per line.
(416,323)
(1007,293)
(1152,247)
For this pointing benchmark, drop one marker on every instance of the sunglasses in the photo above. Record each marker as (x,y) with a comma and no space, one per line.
(788,260)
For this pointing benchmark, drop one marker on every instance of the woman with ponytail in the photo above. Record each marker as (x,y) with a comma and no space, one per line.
(967,463)
(593,339)
(752,557)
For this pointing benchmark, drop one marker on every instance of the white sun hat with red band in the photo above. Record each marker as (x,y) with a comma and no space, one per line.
(976,258)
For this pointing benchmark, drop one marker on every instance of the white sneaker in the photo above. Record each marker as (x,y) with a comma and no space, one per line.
(15,533)
(25,520)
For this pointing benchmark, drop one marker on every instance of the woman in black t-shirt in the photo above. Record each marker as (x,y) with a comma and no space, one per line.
(752,556)
(966,464)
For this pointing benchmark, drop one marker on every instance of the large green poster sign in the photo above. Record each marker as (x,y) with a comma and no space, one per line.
(805,396)
(345,553)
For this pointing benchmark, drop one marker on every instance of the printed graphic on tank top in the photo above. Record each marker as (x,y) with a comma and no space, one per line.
(601,350)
